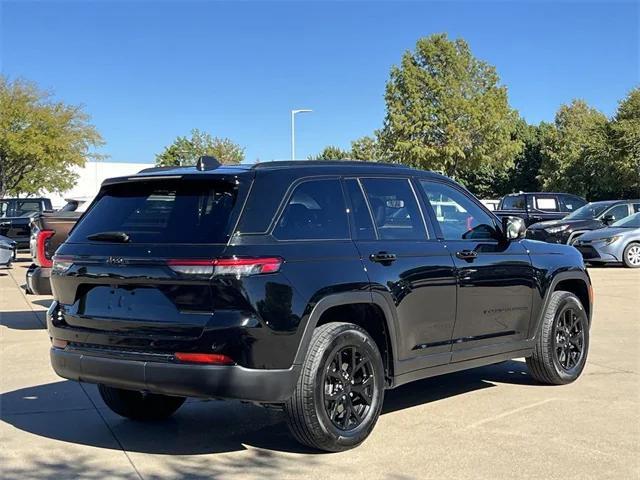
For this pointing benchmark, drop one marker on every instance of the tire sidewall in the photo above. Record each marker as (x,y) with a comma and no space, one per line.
(569,301)
(350,337)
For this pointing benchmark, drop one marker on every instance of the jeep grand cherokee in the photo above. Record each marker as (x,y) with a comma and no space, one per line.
(311,286)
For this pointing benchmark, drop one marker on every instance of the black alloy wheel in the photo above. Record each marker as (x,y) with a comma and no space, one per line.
(569,338)
(349,386)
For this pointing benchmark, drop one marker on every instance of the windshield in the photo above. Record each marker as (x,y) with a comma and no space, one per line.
(161,212)
(590,210)
(632,221)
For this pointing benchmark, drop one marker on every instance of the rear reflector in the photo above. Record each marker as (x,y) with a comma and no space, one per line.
(208,358)
(57,343)
(227,266)
(41,248)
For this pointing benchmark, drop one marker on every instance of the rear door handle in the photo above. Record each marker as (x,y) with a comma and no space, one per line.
(383,257)
(467,254)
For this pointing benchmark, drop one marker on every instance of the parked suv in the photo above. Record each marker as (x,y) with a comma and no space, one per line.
(16,215)
(307,286)
(539,206)
(593,216)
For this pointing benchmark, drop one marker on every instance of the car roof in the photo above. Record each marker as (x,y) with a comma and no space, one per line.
(541,193)
(305,167)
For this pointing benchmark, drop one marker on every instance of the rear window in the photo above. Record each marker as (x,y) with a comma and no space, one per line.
(162,212)
(546,203)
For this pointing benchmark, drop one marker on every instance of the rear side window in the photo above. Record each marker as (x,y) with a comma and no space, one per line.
(394,209)
(162,212)
(360,214)
(315,211)
(546,203)
(513,202)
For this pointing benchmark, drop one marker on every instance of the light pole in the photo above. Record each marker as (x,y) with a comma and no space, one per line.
(293,130)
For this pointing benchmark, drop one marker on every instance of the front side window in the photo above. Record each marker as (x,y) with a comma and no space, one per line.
(315,211)
(394,209)
(459,217)
(618,212)
(26,207)
(162,212)
(4,209)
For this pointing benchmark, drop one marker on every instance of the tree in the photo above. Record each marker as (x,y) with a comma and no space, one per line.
(576,156)
(186,151)
(331,153)
(625,146)
(41,140)
(446,110)
(366,148)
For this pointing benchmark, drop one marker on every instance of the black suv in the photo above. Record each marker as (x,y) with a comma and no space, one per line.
(539,206)
(307,286)
(592,216)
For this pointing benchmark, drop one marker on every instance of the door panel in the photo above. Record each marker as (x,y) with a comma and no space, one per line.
(494,277)
(414,273)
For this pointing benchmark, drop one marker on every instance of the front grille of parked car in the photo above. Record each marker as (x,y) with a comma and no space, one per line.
(588,252)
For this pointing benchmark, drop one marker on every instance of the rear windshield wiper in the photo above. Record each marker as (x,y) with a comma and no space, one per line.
(121,237)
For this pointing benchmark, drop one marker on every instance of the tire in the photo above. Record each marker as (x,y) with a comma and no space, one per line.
(323,412)
(556,361)
(139,405)
(631,255)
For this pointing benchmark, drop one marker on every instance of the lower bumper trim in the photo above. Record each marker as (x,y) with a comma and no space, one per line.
(207,381)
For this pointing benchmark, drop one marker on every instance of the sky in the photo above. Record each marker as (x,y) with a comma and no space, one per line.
(147,72)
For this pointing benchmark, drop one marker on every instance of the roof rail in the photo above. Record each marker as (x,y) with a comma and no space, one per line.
(315,163)
(163,169)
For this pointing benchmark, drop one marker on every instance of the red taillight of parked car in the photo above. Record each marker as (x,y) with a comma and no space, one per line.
(41,248)
(206,358)
(226,266)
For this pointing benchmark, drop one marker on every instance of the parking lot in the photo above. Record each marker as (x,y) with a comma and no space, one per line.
(485,423)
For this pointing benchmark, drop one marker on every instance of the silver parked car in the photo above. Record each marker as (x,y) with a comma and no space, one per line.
(7,251)
(619,243)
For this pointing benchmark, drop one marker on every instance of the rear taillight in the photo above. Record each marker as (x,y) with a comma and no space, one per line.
(42,239)
(61,264)
(208,358)
(239,267)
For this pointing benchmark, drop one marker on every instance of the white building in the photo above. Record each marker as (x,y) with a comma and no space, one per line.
(92,175)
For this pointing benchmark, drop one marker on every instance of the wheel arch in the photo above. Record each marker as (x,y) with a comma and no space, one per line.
(576,282)
(366,309)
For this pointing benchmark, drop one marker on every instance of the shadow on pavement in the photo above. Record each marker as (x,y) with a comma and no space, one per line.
(204,427)
(24,320)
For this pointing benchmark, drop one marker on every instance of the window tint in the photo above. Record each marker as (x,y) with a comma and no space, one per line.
(618,212)
(315,210)
(363,225)
(394,209)
(572,203)
(459,217)
(636,207)
(162,212)
(26,207)
(547,203)
(513,202)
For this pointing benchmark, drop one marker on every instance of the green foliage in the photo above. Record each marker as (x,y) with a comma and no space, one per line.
(186,151)
(41,140)
(446,110)
(624,138)
(331,153)
(366,148)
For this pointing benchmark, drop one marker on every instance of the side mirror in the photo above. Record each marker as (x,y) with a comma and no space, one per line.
(513,227)
(608,219)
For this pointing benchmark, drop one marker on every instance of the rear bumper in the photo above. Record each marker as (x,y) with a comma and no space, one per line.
(38,280)
(185,380)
